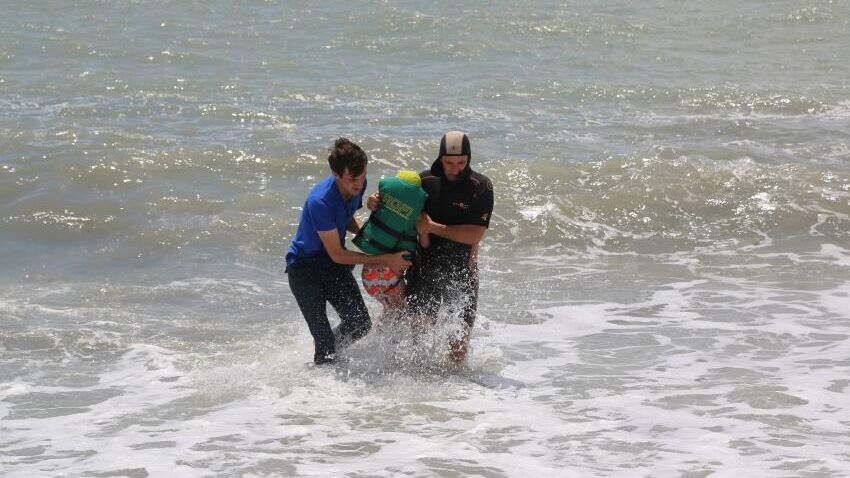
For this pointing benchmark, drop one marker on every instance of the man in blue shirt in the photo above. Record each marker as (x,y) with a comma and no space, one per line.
(318,265)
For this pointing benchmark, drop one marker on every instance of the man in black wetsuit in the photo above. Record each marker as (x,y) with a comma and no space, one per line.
(455,218)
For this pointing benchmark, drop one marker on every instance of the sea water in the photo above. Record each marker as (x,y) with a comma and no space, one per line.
(665,285)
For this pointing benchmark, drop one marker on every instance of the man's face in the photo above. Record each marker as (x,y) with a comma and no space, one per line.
(350,186)
(454,165)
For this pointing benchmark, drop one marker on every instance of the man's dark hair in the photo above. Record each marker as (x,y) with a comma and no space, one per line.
(347,155)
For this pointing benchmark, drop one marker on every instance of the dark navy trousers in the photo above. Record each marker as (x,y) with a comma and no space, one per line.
(316,283)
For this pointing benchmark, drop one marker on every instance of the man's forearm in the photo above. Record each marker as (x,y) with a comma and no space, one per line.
(396,261)
(341,255)
(346,257)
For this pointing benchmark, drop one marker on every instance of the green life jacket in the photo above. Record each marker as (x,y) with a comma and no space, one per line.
(392,227)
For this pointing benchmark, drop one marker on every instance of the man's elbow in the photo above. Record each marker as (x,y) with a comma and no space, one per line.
(479,235)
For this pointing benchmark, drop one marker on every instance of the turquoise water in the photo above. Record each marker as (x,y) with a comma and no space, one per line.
(664,286)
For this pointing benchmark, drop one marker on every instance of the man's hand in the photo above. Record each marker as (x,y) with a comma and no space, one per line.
(397,261)
(373,201)
(424,224)
(423,227)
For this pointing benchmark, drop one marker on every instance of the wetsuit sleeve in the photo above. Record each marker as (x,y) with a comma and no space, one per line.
(483,205)
(320,215)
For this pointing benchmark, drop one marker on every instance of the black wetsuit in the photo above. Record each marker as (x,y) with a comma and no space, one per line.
(441,273)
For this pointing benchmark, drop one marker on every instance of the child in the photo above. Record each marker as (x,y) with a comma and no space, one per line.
(391,228)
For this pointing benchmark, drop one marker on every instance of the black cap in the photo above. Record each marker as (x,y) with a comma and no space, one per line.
(455,143)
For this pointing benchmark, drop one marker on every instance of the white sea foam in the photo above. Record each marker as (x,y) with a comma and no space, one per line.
(592,389)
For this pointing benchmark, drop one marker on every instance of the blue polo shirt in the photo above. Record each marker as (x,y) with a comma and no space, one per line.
(324,209)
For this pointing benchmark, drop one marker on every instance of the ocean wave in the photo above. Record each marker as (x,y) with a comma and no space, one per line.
(711,100)
(680,202)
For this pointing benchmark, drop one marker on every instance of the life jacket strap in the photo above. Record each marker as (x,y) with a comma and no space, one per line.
(384,227)
(372,242)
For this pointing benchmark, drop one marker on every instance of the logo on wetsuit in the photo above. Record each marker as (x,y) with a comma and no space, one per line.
(461,205)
